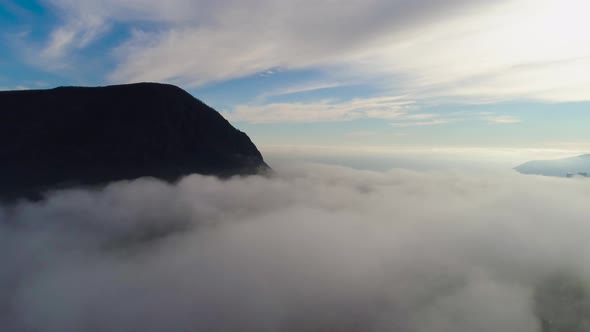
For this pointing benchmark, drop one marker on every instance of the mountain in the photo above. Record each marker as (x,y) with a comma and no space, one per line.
(71,136)
(567,167)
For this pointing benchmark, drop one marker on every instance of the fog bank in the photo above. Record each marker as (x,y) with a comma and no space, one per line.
(316,248)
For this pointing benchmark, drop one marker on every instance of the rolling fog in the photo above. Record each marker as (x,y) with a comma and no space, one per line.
(315,248)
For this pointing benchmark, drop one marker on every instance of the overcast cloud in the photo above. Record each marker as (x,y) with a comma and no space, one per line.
(317,248)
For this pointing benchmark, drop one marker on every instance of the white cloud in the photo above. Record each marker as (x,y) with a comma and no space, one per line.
(503,119)
(295,89)
(360,134)
(521,50)
(315,248)
(76,34)
(423,123)
(248,37)
(475,50)
(190,56)
(421,116)
(361,108)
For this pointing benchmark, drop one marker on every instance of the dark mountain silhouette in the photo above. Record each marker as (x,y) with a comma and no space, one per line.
(566,167)
(71,136)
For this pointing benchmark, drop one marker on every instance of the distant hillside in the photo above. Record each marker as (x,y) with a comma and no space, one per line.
(84,136)
(567,167)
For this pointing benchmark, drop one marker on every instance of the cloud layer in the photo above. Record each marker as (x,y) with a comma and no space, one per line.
(479,50)
(317,248)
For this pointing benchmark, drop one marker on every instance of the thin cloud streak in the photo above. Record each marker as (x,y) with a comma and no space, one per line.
(75,35)
(503,119)
(423,123)
(308,87)
(361,108)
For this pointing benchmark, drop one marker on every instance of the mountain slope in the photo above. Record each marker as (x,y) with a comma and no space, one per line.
(84,136)
(573,166)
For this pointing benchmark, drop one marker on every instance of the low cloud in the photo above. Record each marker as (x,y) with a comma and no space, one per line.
(316,248)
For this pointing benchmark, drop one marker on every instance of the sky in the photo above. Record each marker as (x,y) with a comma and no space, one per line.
(324,74)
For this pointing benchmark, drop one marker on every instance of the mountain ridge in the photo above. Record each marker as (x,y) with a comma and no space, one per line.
(565,167)
(76,135)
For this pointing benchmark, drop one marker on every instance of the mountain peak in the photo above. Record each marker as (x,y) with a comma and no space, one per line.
(94,135)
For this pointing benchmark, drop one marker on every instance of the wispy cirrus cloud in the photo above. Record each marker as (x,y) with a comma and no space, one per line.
(426,119)
(467,50)
(403,111)
(423,123)
(322,111)
(301,88)
(503,119)
(76,34)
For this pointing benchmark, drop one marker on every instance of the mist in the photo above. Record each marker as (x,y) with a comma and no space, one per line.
(314,248)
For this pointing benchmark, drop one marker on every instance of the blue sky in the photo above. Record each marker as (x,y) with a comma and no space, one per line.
(373,73)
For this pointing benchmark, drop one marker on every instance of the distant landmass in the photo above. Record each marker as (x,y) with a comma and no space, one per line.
(71,136)
(568,167)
